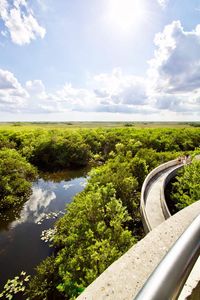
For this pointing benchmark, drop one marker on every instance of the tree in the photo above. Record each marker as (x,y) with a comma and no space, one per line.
(60,153)
(43,286)
(186,189)
(16,175)
(91,236)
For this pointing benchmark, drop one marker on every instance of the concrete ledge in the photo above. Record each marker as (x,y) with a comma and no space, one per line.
(125,277)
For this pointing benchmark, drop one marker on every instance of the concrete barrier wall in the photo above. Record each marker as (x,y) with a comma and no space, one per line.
(145,187)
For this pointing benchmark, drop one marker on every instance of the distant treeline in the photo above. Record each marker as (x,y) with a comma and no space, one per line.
(56,149)
(194,124)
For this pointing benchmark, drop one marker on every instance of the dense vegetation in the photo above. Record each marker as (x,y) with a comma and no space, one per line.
(104,220)
(43,147)
(15,176)
(186,189)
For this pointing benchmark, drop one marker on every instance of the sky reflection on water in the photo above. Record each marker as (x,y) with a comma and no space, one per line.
(21,247)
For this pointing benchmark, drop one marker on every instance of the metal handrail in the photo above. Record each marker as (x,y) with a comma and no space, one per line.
(168,279)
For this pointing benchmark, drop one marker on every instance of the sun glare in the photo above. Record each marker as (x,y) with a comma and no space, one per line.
(125,14)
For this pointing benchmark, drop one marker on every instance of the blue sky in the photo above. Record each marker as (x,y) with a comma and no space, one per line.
(99,60)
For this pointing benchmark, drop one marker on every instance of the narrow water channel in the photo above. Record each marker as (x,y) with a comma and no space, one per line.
(21,247)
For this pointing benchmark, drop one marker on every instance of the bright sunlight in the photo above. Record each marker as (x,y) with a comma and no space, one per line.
(125,14)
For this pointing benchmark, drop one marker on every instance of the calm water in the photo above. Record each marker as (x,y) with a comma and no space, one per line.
(21,247)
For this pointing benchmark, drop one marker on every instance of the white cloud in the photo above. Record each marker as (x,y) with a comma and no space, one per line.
(20,21)
(118,88)
(176,64)
(36,88)
(12,95)
(163,3)
(112,93)
(174,73)
(108,92)
(179,103)
(4,33)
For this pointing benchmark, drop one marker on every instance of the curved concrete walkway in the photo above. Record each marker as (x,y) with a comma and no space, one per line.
(153,205)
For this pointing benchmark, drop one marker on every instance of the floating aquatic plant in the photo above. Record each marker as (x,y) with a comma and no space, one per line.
(48,235)
(14,286)
(47,216)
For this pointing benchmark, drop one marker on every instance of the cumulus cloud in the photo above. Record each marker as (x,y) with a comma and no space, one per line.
(36,88)
(20,21)
(176,64)
(106,93)
(179,103)
(12,95)
(174,72)
(117,88)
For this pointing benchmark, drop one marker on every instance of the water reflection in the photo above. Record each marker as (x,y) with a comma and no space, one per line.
(43,193)
(35,207)
(68,175)
(7,218)
(67,186)
(21,247)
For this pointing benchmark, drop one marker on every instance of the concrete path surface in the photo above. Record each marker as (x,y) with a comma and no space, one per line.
(153,208)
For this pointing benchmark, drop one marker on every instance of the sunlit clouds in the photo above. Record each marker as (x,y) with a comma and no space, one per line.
(174,72)
(12,95)
(176,65)
(20,22)
(171,84)
(113,60)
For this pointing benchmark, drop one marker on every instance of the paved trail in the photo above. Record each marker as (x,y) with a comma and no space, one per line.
(153,207)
